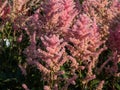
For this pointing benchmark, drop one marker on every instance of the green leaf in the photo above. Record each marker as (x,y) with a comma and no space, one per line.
(94,82)
(117,86)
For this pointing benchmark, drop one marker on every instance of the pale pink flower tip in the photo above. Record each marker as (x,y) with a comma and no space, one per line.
(47,87)
(25,86)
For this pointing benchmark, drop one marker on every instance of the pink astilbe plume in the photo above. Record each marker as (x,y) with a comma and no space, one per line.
(68,42)
(70,81)
(19,7)
(85,41)
(52,54)
(85,37)
(60,34)
(113,70)
(60,14)
(4,9)
(47,87)
(113,44)
(104,11)
(100,85)
(25,87)
(18,15)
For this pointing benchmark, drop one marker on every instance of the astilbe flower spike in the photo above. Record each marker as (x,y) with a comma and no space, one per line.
(104,11)
(4,9)
(62,35)
(100,86)
(70,81)
(84,36)
(25,87)
(113,70)
(60,14)
(54,51)
(85,44)
(47,87)
(52,55)
(113,45)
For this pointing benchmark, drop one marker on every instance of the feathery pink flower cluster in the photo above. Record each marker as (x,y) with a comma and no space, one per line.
(4,9)
(85,37)
(67,33)
(104,11)
(64,34)
(62,26)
